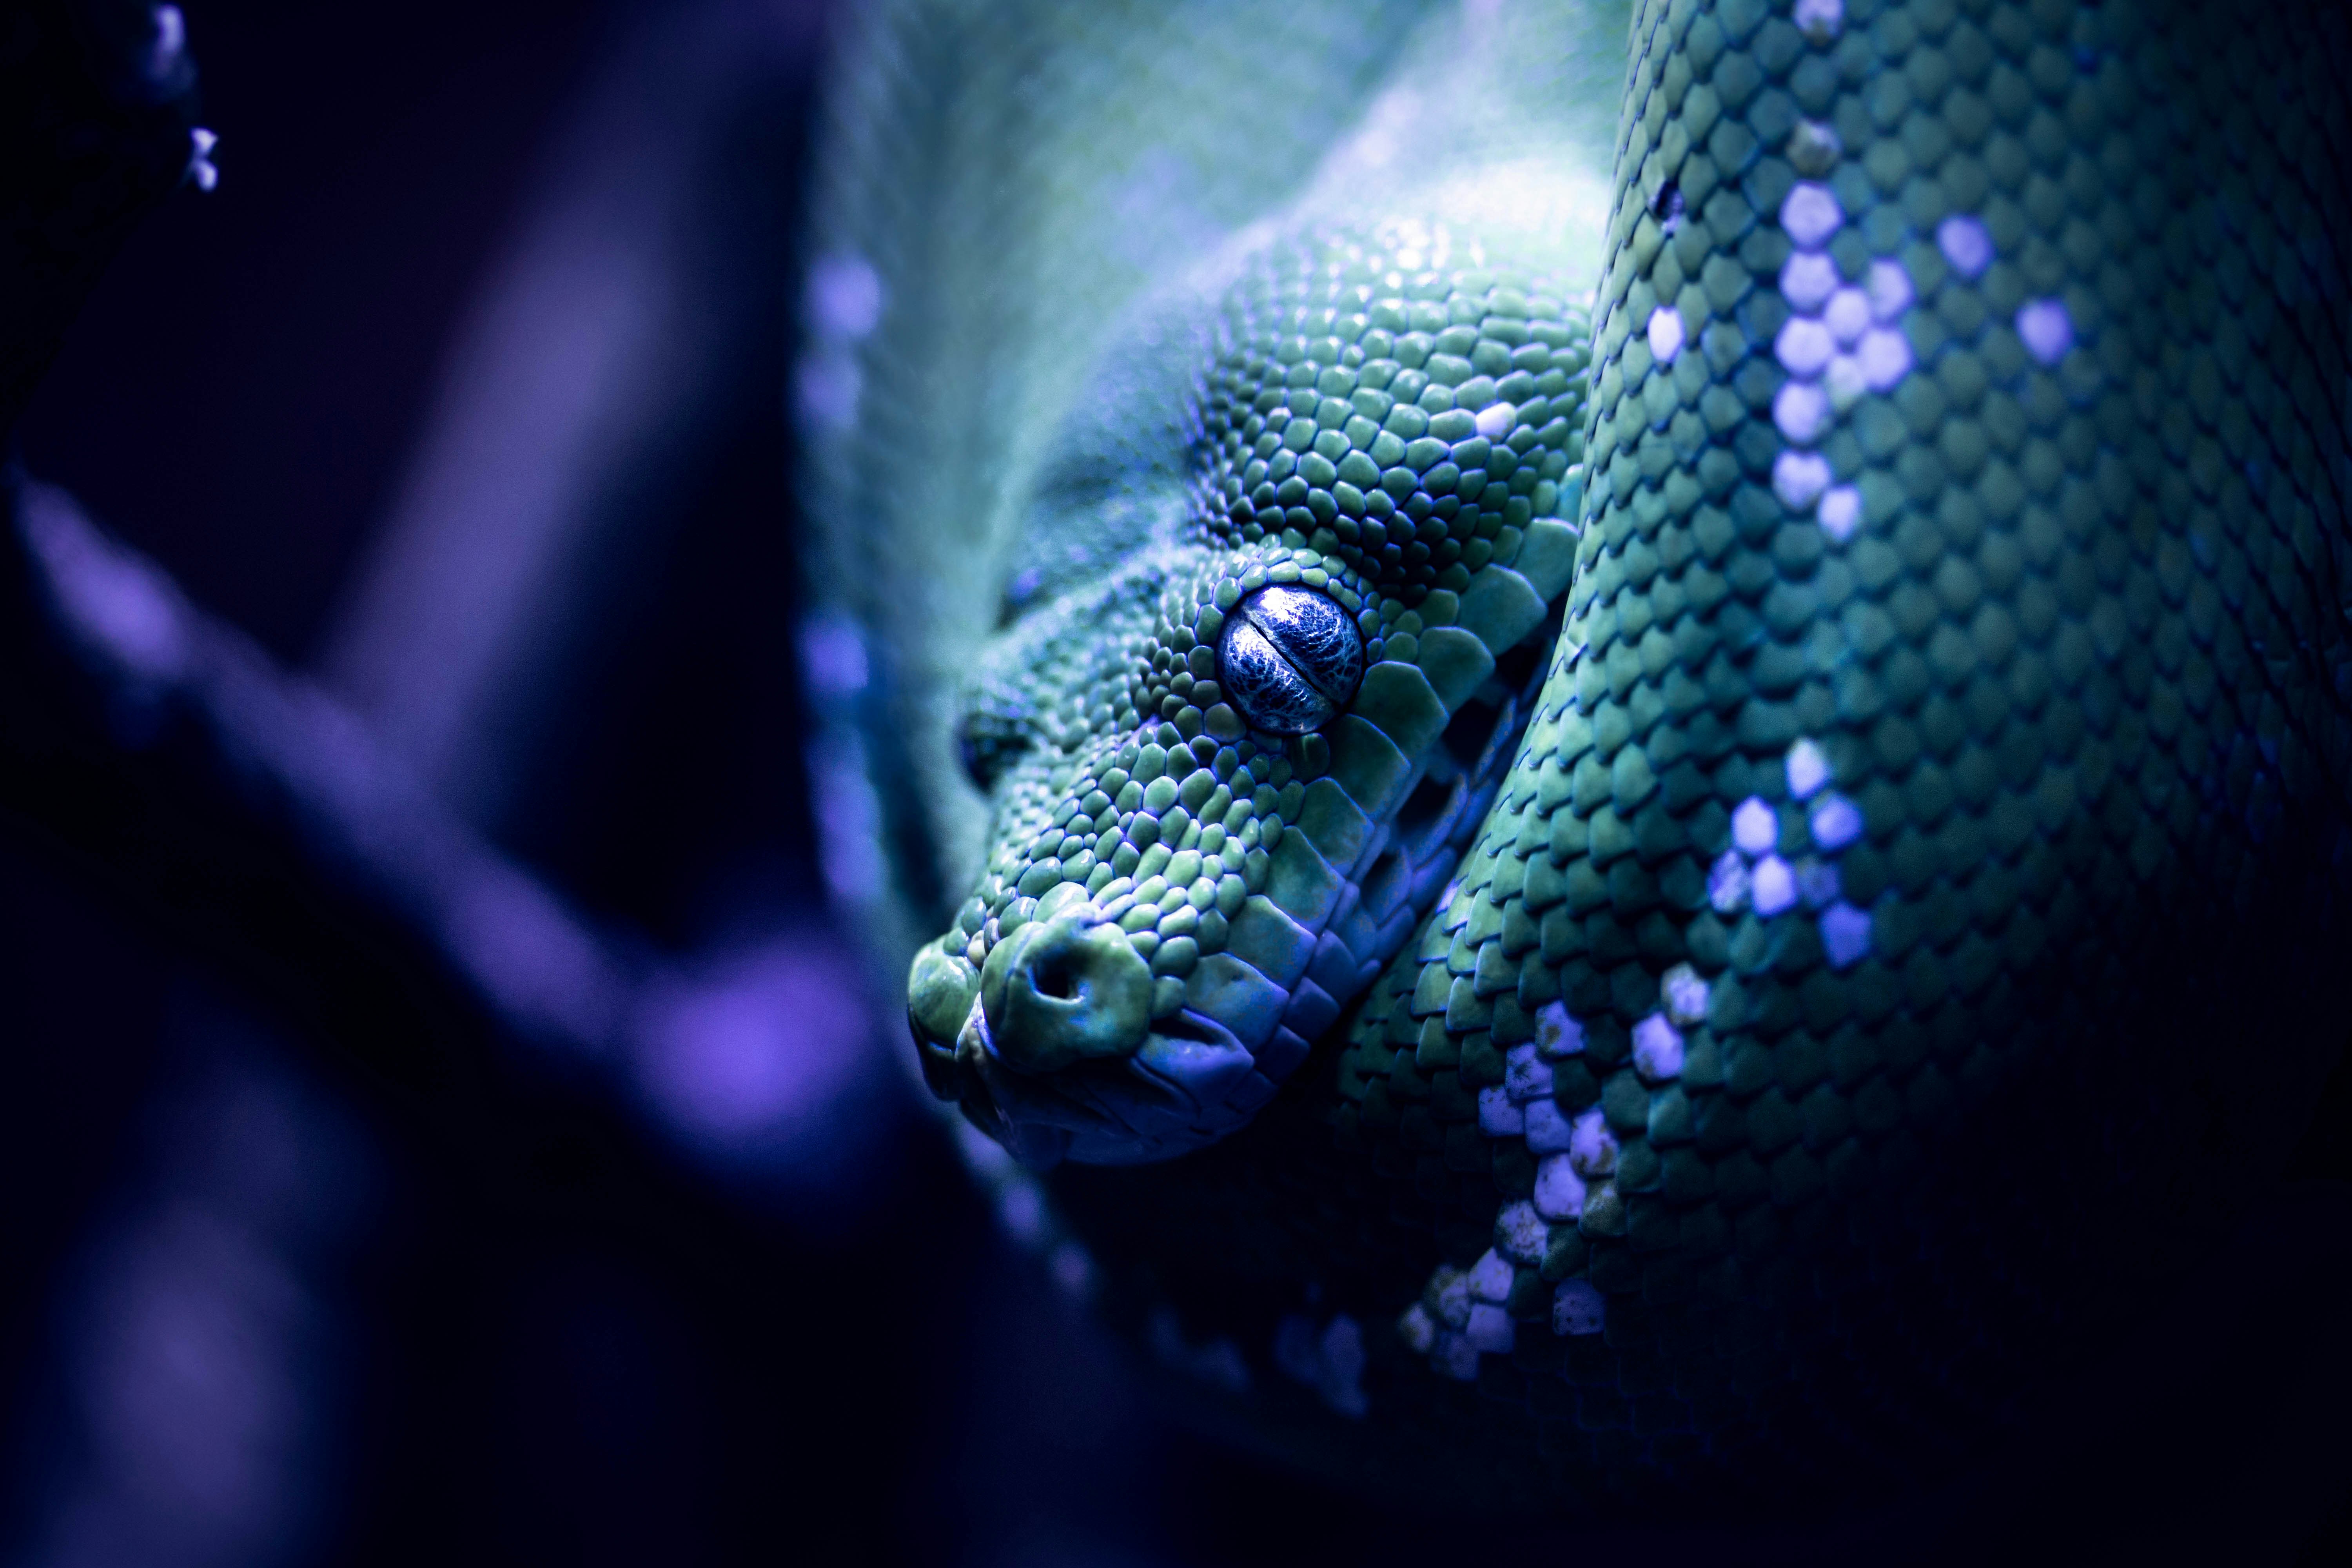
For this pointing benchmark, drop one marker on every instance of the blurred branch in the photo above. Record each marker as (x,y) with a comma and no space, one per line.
(263,820)
(139,730)
(271,829)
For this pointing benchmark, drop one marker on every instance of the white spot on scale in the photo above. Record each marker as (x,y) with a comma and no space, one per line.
(1658,1048)
(1847,315)
(1559,1191)
(1890,290)
(1754,828)
(1497,1116)
(1496,420)
(1883,357)
(1453,1297)
(1666,334)
(1803,347)
(1809,214)
(1820,20)
(1808,768)
(1557,1033)
(1772,885)
(1801,410)
(1526,1076)
(1808,278)
(1814,147)
(1844,379)
(1489,1330)
(1840,513)
(1685,996)
(1547,1130)
(1845,934)
(1837,822)
(1520,1233)
(1727,883)
(1800,478)
(1592,1148)
(2045,329)
(1966,243)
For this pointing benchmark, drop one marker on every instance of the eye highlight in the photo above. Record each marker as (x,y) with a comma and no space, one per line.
(1289,659)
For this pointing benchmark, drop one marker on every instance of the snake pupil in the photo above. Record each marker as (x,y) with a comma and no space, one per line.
(1290,659)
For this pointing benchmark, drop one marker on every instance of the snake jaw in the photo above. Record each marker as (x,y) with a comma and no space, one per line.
(1180,1085)
(1198,1057)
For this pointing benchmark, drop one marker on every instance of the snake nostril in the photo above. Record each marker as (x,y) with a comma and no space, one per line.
(1055,981)
(1063,989)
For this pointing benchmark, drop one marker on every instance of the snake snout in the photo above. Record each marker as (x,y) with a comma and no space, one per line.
(941,988)
(1063,990)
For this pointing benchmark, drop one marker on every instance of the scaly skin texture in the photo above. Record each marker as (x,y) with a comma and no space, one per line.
(1906,922)
(1178,902)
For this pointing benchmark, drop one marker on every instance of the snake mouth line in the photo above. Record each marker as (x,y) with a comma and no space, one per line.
(1172,1095)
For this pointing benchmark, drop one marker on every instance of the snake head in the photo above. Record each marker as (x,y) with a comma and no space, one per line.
(1237,737)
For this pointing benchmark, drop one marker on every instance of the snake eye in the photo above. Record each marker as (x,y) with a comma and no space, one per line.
(1289,660)
(990,738)
(978,765)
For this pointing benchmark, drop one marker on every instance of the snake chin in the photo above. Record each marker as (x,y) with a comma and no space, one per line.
(1189,1083)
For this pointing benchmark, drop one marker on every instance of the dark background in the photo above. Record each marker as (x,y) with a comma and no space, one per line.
(264,1298)
(263,1302)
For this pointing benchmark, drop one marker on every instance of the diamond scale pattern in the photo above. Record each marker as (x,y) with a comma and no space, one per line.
(2000,592)
(1914,912)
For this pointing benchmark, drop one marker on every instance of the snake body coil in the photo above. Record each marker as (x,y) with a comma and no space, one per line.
(1778,848)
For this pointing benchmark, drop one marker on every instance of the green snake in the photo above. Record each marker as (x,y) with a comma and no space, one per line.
(1614,745)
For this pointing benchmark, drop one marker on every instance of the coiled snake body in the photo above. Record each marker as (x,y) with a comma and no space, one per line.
(1662,762)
